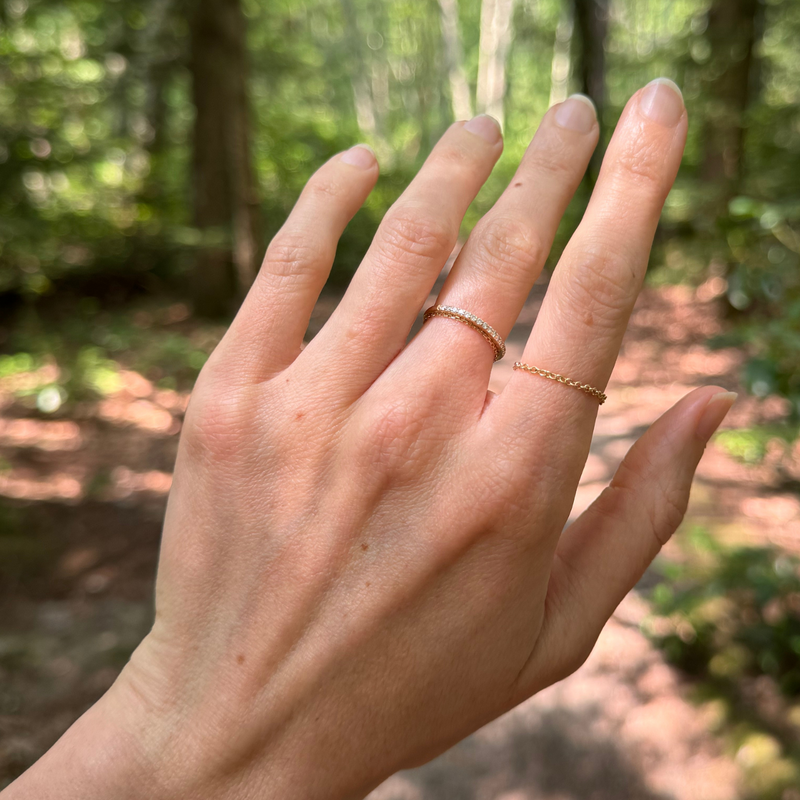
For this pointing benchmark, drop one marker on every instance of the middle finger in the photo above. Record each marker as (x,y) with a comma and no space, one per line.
(585,311)
(505,253)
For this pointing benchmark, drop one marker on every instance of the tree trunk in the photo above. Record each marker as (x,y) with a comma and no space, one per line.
(454,53)
(560,65)
(591,26)
(366,114)
(734,28)
(495,39)
(226,201)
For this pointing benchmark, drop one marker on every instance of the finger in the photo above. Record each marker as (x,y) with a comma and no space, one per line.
(267,333)
(589,299)
(504,254)
(413,242)
(605,552)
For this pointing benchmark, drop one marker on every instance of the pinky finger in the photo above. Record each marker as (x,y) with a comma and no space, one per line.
(267,334)
(605,552)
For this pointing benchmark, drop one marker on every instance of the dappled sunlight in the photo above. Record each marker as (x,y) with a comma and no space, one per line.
(702,362)
(172,401)
(135,384)
(29,380)
(77,560)
(126,482)
(130,218)
(780,509)
(57,486)
(43,435)
(141,414)
(622,722)
(111,451)
(87,429)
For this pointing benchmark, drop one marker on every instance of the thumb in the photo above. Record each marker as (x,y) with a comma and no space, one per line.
(603,554)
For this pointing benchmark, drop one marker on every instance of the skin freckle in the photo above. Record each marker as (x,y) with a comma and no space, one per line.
(240,659)
(365,546)
(299,415)
(589,320)
(518,184)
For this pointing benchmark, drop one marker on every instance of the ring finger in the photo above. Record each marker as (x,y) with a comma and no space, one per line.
(371,323)
(506,251)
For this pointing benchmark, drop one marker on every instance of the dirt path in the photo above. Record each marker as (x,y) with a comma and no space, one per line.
(619,728)
(85,549)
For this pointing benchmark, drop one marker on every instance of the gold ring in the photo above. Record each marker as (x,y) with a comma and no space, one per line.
(554,376)
(476,323)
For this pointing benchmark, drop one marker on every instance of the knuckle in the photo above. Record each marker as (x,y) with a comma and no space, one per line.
(604,281)
(390,435)
(323,189)
(453,156)
(508,490)
(640,162)
(555,160)
(215,423)
(506,241)
(667,511)
(414,236)
(291,257)
(575,657)
(609,503)
(664,506)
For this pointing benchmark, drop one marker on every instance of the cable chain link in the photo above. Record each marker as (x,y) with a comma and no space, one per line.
(554,376)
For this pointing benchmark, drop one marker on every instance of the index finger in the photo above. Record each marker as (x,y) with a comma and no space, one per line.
(594,287)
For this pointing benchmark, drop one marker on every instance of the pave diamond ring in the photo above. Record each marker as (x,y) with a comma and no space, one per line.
(476,323)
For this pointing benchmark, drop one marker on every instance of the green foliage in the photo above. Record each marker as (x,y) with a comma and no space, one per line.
(730,613)
(75,151)
(750,445)
(23,556)
(763,286)
(96,117)
(88,347)
(730,616)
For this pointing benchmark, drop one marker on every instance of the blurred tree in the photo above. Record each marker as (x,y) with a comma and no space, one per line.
(733,32)
(225,196)
(589,47)
(362,91)
(99,100)
(451,33)
(161,52)
(496,16)
(560,66)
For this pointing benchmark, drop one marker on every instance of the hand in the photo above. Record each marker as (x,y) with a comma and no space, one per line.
(363,557)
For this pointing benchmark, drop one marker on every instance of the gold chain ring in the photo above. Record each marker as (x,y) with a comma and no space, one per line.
(554,376)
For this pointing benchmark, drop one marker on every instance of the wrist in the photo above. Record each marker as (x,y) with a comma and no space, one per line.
(125,748)
(99,756)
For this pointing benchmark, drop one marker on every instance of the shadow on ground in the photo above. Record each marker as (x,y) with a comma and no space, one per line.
(554,755)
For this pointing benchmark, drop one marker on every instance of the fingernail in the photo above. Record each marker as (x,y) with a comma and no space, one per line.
(718,406)
(360,155)
(576,113)
(662,101)
(484,126)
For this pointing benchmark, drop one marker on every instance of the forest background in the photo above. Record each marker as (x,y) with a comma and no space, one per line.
(149,149)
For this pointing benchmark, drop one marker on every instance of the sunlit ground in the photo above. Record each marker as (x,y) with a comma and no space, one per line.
(87,443)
